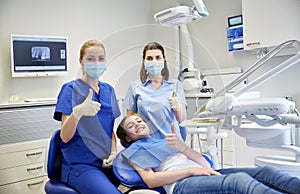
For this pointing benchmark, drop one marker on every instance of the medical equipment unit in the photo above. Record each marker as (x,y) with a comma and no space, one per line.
(270,123)
(182,14)
(179,16)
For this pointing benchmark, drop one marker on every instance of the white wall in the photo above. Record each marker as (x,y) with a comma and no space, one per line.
(79,21)
(210,47)
(124,27)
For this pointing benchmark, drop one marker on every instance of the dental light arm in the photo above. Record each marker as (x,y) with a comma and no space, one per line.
(286,64)
(200,7)
(182,14)
(279,110)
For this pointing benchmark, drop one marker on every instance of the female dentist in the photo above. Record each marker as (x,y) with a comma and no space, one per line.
(158,99)
(87,109)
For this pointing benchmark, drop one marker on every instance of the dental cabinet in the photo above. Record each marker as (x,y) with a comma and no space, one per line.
(268,23)
(24,132)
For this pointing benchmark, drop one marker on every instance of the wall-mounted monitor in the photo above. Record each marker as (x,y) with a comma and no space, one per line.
(35,56)
(235,20)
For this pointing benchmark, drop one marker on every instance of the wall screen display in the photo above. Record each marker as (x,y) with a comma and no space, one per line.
(38,55)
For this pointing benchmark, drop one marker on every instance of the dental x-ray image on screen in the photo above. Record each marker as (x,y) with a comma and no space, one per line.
(36,56)
(40,53)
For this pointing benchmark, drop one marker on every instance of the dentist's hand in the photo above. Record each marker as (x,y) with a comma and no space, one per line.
(175,142)
(109,161)
(173,101)
(87,108)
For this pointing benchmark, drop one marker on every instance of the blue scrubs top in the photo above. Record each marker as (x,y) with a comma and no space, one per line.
(153,105)
(92,140)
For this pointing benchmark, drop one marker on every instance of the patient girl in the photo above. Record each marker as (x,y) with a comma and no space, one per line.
(179,169)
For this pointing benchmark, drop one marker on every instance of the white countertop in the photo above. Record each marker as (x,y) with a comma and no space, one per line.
(27,104)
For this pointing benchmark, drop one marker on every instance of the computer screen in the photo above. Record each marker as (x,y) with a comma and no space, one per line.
(35,56)
(235,20)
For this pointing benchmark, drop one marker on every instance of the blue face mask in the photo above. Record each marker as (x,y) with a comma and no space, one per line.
(154,67)
(94,69)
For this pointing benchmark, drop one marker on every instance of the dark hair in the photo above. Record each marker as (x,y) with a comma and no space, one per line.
(164,71)
(121,131)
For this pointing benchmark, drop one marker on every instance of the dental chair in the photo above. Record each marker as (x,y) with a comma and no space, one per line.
(122,170)
(130,178)
(53,160)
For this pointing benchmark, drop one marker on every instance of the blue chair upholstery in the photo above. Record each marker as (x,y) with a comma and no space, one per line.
(54,185)
(183,132)
(129,177)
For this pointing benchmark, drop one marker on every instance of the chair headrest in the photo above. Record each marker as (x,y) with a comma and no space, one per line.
(126,173)
(128,176)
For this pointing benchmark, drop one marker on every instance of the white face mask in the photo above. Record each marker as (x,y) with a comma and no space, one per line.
(154,67)
(94,69)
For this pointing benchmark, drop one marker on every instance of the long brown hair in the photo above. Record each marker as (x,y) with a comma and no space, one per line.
(121,132)
(164,71)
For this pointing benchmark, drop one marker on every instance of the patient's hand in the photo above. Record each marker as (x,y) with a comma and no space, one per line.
(174,142)
(202,172)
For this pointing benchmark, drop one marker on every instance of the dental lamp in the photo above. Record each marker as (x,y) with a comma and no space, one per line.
(182,14)
(179,16)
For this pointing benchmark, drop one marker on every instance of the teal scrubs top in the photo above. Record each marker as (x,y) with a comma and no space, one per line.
(153,105)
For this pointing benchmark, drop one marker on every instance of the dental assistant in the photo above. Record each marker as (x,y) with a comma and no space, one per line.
(87,109)
(158,99)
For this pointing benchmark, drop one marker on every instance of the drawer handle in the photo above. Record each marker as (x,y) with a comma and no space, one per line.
(34,154)
(35,168)
(33,184)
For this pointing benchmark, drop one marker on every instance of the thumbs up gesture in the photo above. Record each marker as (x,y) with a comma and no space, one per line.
(173,101)
(87,108)
(174,142)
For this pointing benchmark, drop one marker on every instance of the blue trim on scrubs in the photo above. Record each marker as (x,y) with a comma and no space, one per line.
(92,139)
(153,105)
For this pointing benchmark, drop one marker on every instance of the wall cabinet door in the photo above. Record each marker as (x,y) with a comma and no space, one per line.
(268,23)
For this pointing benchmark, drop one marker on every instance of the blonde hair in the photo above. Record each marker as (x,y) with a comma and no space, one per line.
(88,44)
